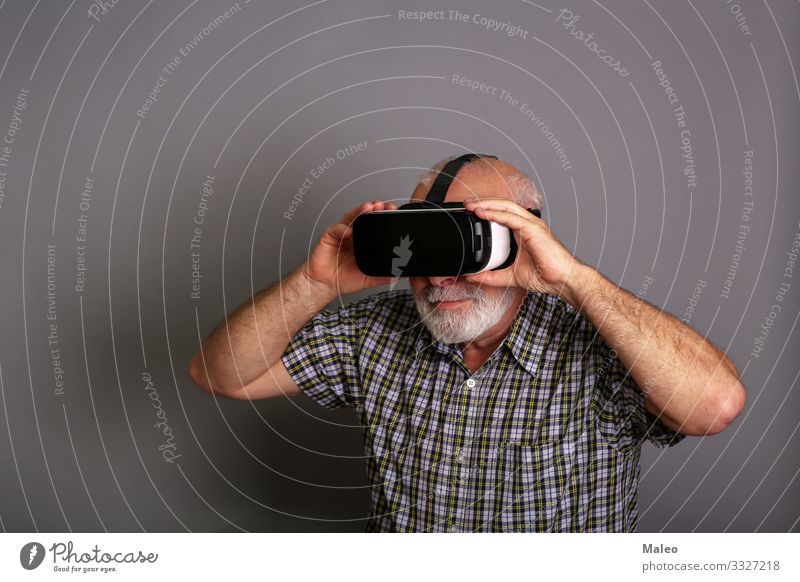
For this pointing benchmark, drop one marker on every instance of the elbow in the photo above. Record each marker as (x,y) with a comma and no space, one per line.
(203,377)
(729,405)
(198,374)
(206,381)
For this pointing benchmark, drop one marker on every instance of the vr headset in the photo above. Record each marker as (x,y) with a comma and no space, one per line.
(432,238)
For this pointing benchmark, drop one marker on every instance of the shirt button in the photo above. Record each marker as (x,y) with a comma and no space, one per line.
(471,383)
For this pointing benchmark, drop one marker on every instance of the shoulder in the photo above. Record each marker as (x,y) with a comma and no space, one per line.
(559,318)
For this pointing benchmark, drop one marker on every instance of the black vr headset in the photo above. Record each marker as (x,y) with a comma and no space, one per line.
(432,238)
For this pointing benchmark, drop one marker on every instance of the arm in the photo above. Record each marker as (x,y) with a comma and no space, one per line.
(688,381)
(241,359)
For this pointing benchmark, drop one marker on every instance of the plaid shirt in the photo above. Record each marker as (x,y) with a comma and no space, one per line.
(545,436)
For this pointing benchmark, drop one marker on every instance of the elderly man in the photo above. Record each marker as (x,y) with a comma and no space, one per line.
(510,400)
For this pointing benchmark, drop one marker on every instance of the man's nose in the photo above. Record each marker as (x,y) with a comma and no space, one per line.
(442,281)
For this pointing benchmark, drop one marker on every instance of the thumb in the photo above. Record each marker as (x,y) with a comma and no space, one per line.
(486,278)
(381,280)
(339,231)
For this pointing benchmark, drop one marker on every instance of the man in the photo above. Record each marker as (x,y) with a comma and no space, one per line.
(511,400)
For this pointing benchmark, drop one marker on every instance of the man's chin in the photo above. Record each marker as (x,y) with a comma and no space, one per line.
(449,337)
(449,329)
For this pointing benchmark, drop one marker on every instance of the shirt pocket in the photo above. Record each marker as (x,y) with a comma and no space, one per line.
(532,482)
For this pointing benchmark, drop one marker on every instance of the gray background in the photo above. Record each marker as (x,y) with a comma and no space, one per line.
(266,97)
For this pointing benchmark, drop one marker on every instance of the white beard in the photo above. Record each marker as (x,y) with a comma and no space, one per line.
(454,326)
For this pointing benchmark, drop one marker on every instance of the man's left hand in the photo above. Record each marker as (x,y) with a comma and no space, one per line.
(543,264)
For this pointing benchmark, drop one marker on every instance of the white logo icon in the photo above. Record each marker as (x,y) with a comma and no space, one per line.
(402,254)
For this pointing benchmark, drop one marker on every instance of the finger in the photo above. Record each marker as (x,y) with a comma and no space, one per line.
(342,232)
(498,204)
(486,199)
(339,231)
(501,278)
(383,280)
(351,215)
(507,218)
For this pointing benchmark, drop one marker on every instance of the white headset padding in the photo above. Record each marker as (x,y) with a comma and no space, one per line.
(501,246)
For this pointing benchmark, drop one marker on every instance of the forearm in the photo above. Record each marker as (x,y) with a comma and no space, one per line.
(253,337)
(685,377)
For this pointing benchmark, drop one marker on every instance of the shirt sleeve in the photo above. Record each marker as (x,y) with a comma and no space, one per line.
(322,358)
(619,404)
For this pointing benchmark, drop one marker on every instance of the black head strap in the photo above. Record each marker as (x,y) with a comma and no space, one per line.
(445,177)
(440,186)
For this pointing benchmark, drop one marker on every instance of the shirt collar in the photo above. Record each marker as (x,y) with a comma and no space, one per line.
(425,340)
(524,339)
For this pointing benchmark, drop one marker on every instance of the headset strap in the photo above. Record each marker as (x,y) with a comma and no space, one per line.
(445,178)
(440,186)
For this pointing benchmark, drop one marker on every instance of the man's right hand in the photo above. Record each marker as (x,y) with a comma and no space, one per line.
(242,358)
(332,262)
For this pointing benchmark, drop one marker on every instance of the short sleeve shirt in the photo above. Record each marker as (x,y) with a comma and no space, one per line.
(544,436)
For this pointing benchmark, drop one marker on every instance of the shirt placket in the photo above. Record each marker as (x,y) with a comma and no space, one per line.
(462,466)
(459,404)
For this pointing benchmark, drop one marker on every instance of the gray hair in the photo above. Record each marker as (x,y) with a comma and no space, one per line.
(524,190)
